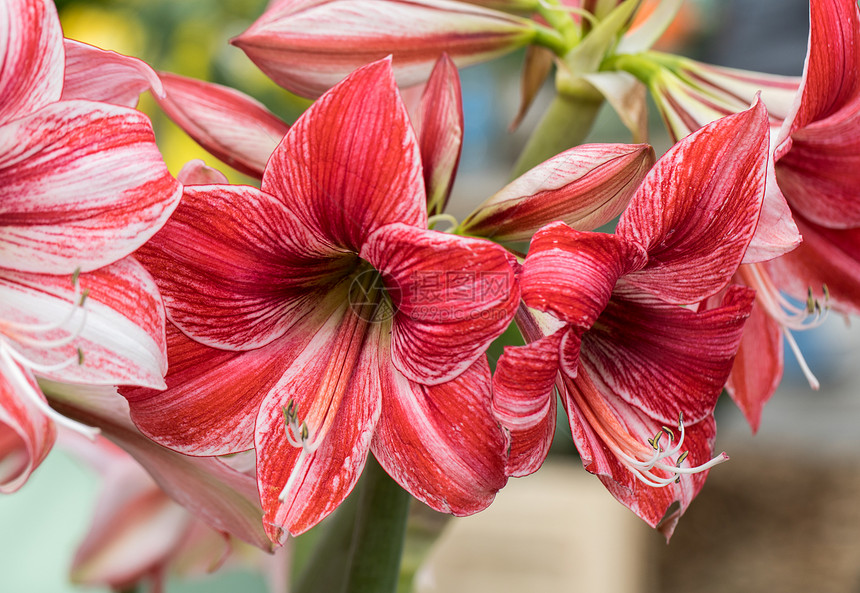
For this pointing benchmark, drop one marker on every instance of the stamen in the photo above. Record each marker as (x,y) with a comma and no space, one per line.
(789,316)
(781,309)
(801,361)
(299,436)
(26,334)
(643,469)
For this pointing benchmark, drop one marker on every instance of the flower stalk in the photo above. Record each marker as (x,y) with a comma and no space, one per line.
(361,548)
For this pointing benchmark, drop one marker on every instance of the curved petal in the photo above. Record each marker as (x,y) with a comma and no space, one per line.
(31,43)
(307,47)
(776,233)
(652,504)
(234,127)
(237,269)
(452,296)
(830,81)
(441,442)
(196,172)
(828,257)
(82,185)
(115,338)
(585,187)
(571,274)
(299,488)
(757,370)
(351,163)
(697,209)
(218,495)
(212,397)
(817,162)
(99,75)
(664,359)
(26,434)
(524,401)
(820,174)
(439,125)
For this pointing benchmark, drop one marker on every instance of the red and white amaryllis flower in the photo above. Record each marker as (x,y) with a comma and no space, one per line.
(639,374)
(318,319)
(812,191)
(82,185)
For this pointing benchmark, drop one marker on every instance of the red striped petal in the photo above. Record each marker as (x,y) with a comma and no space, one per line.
(237,269)
(82,185)
(452,296)
(335,386)
(817,164)
(439,125)
(98,75)
(26,434)
(571,274)
(441,443)
(31,43)
(757,370)
(664,359)
(213,396)
(697,209)
(351,163)
(524,401)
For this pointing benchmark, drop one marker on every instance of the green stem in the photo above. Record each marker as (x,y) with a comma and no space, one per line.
(551,39)
(360,550)
(558,17)
(565,124)
(380,528)
(643,66)
(325,570)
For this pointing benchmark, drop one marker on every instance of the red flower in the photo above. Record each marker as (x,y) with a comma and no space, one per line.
(639,374)
(334,322)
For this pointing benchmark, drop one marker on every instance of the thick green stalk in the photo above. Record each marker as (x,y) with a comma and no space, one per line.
(565,124)
(360,550)
(380,528)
